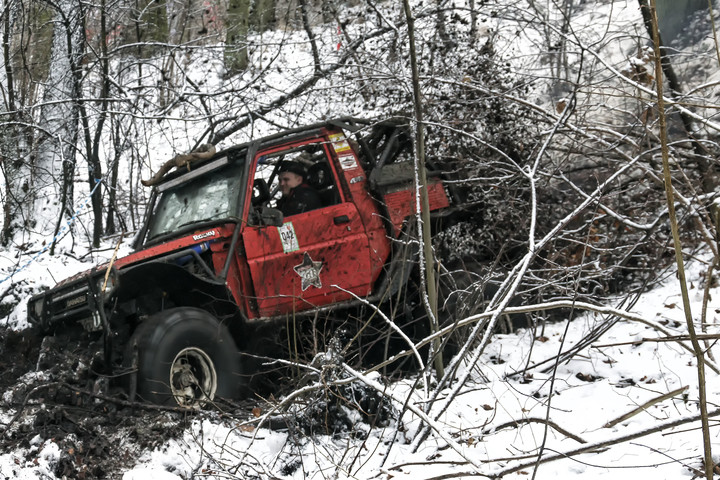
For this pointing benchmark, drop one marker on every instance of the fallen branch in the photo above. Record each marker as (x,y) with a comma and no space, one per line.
(605,443)
(550,423)
(429,422)
(203,152)
(600,309)
(24,403)
(580,450)
(672,338)
(644,406)
(89,394)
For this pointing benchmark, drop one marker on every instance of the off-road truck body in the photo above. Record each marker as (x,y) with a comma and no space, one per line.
(215,257)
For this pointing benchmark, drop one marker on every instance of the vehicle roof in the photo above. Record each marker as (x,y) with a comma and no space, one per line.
(351,124)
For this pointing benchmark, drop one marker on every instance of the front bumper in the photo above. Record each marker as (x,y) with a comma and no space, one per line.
(80,299)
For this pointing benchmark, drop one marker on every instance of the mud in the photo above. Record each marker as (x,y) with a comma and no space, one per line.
(50,392)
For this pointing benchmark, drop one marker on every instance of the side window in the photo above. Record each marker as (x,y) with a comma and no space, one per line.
(294,180)
(321,178)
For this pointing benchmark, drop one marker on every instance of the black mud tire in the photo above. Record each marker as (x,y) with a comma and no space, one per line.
(466,288)
(184,357)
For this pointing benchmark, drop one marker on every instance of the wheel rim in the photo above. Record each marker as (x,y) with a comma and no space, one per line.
(193,379)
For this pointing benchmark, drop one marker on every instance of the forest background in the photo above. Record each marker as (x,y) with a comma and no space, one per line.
(546,113)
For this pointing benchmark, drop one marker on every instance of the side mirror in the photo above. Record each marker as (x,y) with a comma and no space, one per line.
(271,217)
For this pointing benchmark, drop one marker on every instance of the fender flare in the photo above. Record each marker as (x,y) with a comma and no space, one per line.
(184,287)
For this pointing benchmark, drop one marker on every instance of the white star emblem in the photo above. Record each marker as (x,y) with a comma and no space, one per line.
(309,271)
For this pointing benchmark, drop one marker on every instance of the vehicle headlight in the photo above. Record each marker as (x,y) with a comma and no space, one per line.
(109,285)
(36,307)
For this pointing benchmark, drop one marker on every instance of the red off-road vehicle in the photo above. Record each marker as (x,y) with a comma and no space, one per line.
(215,258)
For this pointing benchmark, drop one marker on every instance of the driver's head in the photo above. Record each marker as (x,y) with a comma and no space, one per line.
(291,175)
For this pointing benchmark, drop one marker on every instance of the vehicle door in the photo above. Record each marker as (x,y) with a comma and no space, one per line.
(314,258)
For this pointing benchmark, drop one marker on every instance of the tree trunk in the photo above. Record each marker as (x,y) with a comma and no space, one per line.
(707,170)
(94,139)
(55,165)
(236,54)
(430,296)
(16,137)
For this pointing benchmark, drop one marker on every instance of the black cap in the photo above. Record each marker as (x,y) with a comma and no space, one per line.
(293,167)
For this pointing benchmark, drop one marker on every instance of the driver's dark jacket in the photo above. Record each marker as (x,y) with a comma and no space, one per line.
(302,198)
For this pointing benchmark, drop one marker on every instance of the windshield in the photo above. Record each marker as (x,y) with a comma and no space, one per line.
(209,197)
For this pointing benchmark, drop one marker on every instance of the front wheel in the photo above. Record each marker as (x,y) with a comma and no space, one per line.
(184,356)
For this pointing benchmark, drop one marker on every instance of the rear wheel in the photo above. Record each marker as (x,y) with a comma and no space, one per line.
(466,289)
(184,356)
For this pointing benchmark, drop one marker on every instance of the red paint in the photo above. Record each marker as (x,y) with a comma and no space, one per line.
(222,231)
(401,204)
(341,249)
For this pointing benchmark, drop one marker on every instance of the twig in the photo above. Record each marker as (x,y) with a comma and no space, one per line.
(644,406)
(689,467)
(543,421)
(589,447)
(673,338)
(24,404)
(674,228)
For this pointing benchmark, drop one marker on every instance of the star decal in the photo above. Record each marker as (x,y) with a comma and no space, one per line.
(309,271)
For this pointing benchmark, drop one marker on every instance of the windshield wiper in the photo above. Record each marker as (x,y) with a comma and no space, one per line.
(194,222)
(162,235)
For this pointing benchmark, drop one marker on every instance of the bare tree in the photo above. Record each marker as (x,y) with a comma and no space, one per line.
(56,163)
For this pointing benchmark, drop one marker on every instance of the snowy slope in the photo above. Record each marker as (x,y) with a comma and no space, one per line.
(500,420)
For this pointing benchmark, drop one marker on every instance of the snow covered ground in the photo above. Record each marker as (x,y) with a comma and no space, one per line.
(497,422)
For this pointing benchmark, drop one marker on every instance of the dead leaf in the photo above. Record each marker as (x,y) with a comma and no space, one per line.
(586,377)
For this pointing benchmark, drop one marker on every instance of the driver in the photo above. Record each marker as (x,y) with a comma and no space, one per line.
(297,196)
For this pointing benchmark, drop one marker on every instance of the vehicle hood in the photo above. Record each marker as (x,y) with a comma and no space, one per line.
(155,251)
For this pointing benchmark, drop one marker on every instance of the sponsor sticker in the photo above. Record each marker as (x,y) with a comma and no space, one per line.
(288,238)
(200,236)
(339,142)
(75,301)
(347,162)
(309,272)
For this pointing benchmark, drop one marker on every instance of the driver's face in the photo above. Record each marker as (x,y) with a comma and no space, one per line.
(288,181)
